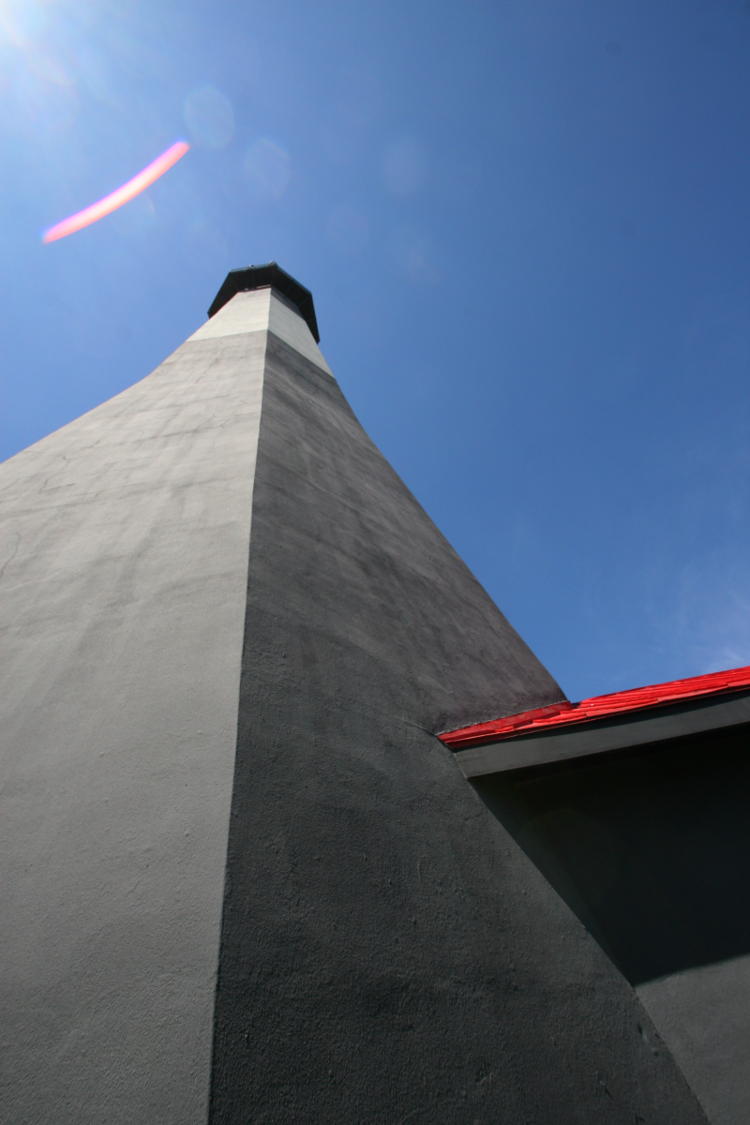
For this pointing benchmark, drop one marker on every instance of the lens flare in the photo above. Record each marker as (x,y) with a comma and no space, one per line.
(120,196)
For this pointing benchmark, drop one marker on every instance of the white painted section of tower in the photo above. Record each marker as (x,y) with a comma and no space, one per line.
(246,312)
(287,324)
(264,309)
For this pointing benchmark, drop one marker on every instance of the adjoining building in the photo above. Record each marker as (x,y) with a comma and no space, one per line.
(247,875)
(635,808)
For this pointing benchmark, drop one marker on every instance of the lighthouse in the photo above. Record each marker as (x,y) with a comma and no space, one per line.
(246,878)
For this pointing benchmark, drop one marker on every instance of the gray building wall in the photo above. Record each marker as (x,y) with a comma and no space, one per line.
(651,848)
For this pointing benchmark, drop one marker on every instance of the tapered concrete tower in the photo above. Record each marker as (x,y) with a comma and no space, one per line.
(243,881)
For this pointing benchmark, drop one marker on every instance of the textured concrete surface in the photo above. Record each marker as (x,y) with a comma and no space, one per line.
(651,849)
(704,1015)
(124,563)
(389,954)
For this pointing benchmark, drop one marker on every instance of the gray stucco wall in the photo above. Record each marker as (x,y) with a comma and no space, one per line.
(703,1014)
(651,848)
(124,563)
(389,954)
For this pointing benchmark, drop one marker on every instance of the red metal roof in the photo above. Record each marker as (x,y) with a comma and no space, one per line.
(598,707)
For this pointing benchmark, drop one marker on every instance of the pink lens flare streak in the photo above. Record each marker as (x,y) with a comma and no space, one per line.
(120,196)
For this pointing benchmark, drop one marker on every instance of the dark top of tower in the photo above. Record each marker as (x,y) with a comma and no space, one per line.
(258,277)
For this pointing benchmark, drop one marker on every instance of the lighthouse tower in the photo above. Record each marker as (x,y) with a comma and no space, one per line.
(243,880)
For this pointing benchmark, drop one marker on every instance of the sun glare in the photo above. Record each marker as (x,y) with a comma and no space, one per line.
(120,196)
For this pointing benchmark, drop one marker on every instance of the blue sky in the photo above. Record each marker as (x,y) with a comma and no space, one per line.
(525,226)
